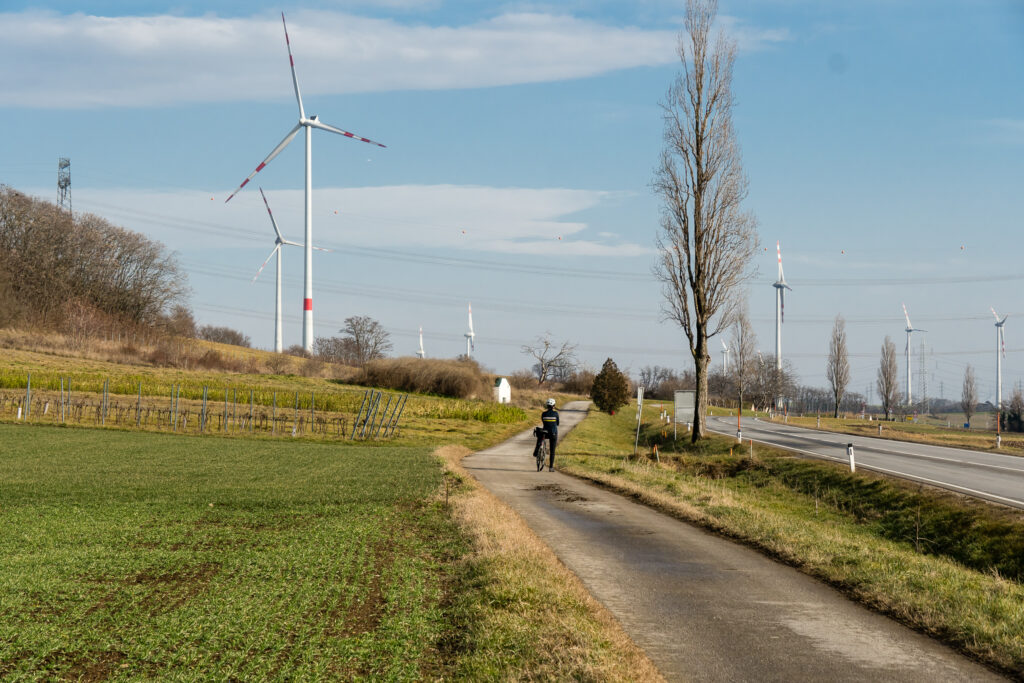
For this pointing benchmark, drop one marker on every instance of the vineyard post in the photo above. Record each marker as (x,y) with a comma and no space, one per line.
(225,409)
(138,406)
(234,408)
(28,397)
(250,411)
(355,423)
(312,410)
(383,415)
(273,419)
(62,400)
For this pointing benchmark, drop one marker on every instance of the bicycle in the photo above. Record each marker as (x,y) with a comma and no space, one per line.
(542,452)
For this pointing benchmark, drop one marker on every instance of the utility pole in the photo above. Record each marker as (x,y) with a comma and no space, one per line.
(64,183)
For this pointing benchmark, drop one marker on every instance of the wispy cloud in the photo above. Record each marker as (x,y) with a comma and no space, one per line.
(78,60)
(508,220)
(1007,130)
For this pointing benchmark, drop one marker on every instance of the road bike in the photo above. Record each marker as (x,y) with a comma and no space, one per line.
(542,452)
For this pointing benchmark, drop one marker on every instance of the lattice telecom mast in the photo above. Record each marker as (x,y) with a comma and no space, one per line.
(64,183)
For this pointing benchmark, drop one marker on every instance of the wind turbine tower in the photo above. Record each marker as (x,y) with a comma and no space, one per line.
(470,335)
(1000,352)
(278,241)
(910,330)
(780,308)
(421,353)
(308,123)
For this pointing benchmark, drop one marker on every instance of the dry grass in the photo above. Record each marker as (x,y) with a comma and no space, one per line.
(437,376)
(528,616)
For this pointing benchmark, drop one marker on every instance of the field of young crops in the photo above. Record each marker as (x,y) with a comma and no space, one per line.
(154,556)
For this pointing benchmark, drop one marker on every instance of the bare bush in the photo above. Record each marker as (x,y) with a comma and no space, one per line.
(442,377)
(224,335)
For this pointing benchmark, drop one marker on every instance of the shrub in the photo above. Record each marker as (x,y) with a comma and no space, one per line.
(523,379)
(457,379)
(610,389)
(579,382)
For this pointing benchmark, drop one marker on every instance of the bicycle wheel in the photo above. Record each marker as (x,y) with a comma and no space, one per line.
(542,454)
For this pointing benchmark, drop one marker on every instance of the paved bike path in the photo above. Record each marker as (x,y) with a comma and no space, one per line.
(702,607)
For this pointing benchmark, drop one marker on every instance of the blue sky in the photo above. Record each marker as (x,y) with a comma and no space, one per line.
(883,142)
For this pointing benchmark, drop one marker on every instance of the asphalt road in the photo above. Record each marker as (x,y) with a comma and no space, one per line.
(992,476)
(702,607)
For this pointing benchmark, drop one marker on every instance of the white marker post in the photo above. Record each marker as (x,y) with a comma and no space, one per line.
(849,452)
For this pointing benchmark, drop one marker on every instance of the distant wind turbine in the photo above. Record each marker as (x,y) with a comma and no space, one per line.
(910,330)
(1000,354)
(421,353)
(278,241)
(470,335)
(309,124)
(725,357)
(780,308)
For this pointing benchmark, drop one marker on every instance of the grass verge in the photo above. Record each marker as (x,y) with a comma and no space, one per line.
(519,613)
(945,565)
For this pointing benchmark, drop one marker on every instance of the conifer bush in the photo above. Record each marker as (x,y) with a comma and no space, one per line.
(610,390)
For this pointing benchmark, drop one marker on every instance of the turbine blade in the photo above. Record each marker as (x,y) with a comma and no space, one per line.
(994,313)
(276,248)
(322,249)
(907,316)
(331,129)
(277,150)
(294,244)
(291,63)
(271,213)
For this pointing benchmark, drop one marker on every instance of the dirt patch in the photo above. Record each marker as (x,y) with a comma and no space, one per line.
(364,615)
(563,495)
(96,666)
(170,590)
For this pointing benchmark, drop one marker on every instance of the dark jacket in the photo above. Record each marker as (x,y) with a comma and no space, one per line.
(550,419)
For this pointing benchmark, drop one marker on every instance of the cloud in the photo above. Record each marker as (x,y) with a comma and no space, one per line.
(79,60)
(1007,130)
(507,220)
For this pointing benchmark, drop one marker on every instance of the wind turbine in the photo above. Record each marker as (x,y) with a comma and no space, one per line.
(725,357)
(421,353)
(1000,353)
(470,335)
(278,241)
(309,123)
(910,329)
(780,308)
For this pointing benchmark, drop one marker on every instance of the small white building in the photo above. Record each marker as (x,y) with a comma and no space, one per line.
(502,390)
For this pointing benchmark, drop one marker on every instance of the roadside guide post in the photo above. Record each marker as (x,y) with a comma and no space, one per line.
(849,452)
(639,410)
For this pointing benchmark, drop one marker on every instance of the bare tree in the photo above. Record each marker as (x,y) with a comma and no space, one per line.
(224,335)
(837,371)
(969,395)
(744,353)
(552,359)
(367,339)
(706,240)
(888,378)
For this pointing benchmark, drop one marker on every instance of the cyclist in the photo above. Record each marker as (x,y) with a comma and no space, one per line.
(549,418)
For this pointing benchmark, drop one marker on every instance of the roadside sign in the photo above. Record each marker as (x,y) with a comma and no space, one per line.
(685,404)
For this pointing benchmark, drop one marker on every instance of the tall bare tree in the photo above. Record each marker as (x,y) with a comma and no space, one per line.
(706,240)
(365,338)
(969,395)
(553,359)
(888,378)
(837,371)
(744,350)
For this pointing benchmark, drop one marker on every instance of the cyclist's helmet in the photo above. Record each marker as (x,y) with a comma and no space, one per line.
(550,403)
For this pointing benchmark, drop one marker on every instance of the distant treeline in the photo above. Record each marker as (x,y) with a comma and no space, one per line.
(75,274)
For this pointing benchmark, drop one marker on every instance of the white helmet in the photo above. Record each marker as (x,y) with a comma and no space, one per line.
(550,403)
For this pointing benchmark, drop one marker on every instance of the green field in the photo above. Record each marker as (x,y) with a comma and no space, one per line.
(162,557)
